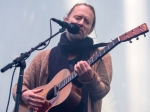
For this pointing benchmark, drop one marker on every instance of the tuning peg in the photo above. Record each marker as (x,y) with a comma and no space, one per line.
(137,38)
(144,35)
(130,41)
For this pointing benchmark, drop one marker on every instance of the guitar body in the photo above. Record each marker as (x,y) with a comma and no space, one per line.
(66,99)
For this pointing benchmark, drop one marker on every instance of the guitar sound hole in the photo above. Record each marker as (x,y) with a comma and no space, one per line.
(50,94)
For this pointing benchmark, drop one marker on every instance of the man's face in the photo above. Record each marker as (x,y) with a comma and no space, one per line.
(84,17)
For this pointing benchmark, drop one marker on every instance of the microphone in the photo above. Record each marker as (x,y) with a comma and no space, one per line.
(72,27)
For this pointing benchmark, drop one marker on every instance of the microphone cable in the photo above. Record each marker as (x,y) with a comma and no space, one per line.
(10,89)
(50,36)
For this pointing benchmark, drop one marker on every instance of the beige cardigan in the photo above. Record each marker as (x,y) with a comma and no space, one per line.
(37,73)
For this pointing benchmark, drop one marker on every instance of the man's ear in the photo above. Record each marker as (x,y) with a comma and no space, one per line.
(66,18)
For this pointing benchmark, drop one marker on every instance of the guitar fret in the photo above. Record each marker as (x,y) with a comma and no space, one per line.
(65,82)
(61,85)
(104,50)
(88,61)
(91,59)
(116,41)
(68,78)
(108,46)
(73,75)
(113,43)
(100,53)
(97,55)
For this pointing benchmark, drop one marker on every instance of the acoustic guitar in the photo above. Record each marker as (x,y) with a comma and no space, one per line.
(59,94)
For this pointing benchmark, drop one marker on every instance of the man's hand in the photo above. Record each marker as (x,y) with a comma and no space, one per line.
(30,98)
(84,71)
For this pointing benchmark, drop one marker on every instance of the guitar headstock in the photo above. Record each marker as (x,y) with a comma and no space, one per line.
(134,33)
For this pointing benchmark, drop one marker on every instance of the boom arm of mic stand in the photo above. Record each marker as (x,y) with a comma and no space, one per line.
(27,54)
(20,62)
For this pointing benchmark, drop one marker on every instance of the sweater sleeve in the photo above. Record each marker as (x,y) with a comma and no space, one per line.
(99,86)
(31,74)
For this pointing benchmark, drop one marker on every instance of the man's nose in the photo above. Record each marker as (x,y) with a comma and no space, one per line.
(81,22)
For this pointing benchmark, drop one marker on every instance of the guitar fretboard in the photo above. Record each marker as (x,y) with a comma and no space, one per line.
(98,55)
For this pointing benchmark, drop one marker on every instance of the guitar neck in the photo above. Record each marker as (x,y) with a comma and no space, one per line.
(98,55)
(142,29)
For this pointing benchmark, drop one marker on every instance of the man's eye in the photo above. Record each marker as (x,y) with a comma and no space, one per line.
(87,22)
(78,18)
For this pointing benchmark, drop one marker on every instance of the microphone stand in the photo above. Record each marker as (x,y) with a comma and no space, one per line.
(20,62)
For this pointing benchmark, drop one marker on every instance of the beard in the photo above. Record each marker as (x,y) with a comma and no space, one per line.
(76,37)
